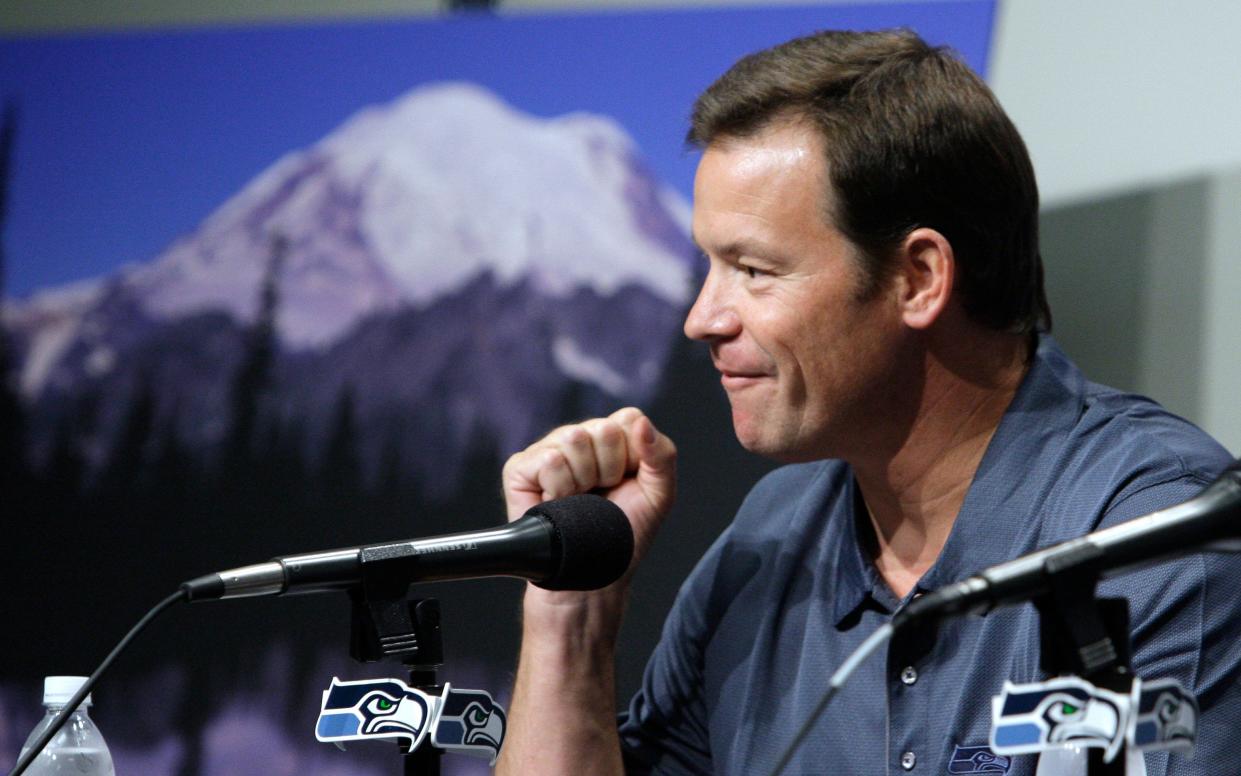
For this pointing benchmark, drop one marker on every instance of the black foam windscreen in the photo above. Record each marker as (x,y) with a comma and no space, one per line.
(593,538)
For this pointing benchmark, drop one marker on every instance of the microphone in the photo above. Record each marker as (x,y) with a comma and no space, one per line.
(580,542)
(1210,521)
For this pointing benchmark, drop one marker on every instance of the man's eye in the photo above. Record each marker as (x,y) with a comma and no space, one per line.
(752,272)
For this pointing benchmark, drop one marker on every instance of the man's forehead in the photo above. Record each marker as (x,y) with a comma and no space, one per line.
(776,147)
(754,188)
(762,156)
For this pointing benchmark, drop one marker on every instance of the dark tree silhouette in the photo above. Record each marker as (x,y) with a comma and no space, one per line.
(13,469)
(67,464)
(340,470)
(126,466)
(172,470)
(254,374)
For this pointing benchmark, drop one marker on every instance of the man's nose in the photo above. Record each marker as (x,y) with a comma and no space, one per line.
(713,315)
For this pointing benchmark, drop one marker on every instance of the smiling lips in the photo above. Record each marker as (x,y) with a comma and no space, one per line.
(737,378)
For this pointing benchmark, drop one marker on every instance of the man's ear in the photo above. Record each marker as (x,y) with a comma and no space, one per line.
(926,273)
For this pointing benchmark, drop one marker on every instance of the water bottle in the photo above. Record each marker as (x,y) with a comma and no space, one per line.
(78,748)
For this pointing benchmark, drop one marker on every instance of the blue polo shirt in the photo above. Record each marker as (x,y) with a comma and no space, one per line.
(789,590)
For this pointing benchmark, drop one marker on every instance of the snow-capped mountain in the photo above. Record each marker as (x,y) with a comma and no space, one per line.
(413,199)
(430,242)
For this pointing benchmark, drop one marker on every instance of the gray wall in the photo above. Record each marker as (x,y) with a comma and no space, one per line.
(1133,116)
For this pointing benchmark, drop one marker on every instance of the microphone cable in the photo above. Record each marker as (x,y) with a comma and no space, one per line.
(63,715)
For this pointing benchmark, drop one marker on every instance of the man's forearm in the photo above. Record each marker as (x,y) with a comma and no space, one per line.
(562,718)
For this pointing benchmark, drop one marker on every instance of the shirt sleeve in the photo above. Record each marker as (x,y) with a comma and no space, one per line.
(665,730)
(1185,624)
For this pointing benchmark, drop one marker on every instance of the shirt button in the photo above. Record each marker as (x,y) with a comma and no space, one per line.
(909,760)
(909,675)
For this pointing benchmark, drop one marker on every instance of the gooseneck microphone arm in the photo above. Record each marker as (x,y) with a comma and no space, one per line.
(1211,522)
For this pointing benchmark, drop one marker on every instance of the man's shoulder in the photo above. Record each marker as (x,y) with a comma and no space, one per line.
(1107,419)
(1152,457)
(1094,439)
(1145,441)
(1113,416)
(1089,455)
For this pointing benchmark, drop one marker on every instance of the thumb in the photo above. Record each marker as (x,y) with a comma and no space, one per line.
(657,457)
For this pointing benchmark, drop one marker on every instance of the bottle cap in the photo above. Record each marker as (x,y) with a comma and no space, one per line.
(57,690)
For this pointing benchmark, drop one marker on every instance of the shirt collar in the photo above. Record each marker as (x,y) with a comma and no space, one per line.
(856,576)
(993,524)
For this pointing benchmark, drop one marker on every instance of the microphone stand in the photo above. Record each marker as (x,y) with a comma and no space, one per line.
(388,625)
(1083,635)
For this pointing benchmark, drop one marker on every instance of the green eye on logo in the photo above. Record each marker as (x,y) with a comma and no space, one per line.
(384,704)
(1068,709)
(477,715)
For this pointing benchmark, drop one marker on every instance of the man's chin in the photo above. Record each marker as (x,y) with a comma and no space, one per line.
(750,435)
(763,439)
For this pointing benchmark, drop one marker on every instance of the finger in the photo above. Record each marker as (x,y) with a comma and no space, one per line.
(575,444)
(657,457)
(520,479)
(555,478)
(611,450)
(625,418)
(533,476)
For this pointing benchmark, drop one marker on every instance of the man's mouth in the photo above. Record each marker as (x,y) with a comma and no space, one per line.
(738,378)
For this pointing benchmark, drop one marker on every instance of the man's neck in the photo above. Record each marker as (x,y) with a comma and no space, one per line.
(914,490)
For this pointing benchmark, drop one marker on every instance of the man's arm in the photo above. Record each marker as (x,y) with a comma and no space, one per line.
(563,716)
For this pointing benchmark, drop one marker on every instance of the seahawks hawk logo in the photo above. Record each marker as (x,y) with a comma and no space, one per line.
(469,722)
(1166,716)
(1066,710)
(1158,714)
(374,708)
(977,760)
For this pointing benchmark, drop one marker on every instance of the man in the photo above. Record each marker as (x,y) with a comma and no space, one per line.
(873,305)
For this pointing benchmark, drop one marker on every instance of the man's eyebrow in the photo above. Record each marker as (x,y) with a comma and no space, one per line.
(732,249)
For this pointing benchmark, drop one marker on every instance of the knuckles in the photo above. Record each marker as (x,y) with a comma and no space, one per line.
(601,446)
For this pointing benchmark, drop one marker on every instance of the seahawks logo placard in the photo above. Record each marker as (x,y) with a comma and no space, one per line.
(1062,711)
(469,722)
(374,708)
(463,721)
(1068,711)
(1165,716)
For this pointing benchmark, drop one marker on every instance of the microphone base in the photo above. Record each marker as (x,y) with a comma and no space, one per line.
(400,629)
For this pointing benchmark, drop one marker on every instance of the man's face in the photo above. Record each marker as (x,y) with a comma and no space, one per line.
(804,360)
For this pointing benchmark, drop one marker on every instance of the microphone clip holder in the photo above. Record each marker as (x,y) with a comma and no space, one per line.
(386,624)
(1083,635)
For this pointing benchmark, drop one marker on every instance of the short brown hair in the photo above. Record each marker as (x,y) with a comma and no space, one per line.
(914,138)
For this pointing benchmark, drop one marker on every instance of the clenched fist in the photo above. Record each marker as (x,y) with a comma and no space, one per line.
(623,457)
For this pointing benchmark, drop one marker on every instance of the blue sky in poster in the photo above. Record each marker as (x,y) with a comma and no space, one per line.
(128,140)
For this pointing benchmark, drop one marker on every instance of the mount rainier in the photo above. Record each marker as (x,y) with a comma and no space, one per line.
(452,267)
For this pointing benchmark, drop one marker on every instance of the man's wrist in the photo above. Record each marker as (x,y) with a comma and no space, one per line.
(573,622)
